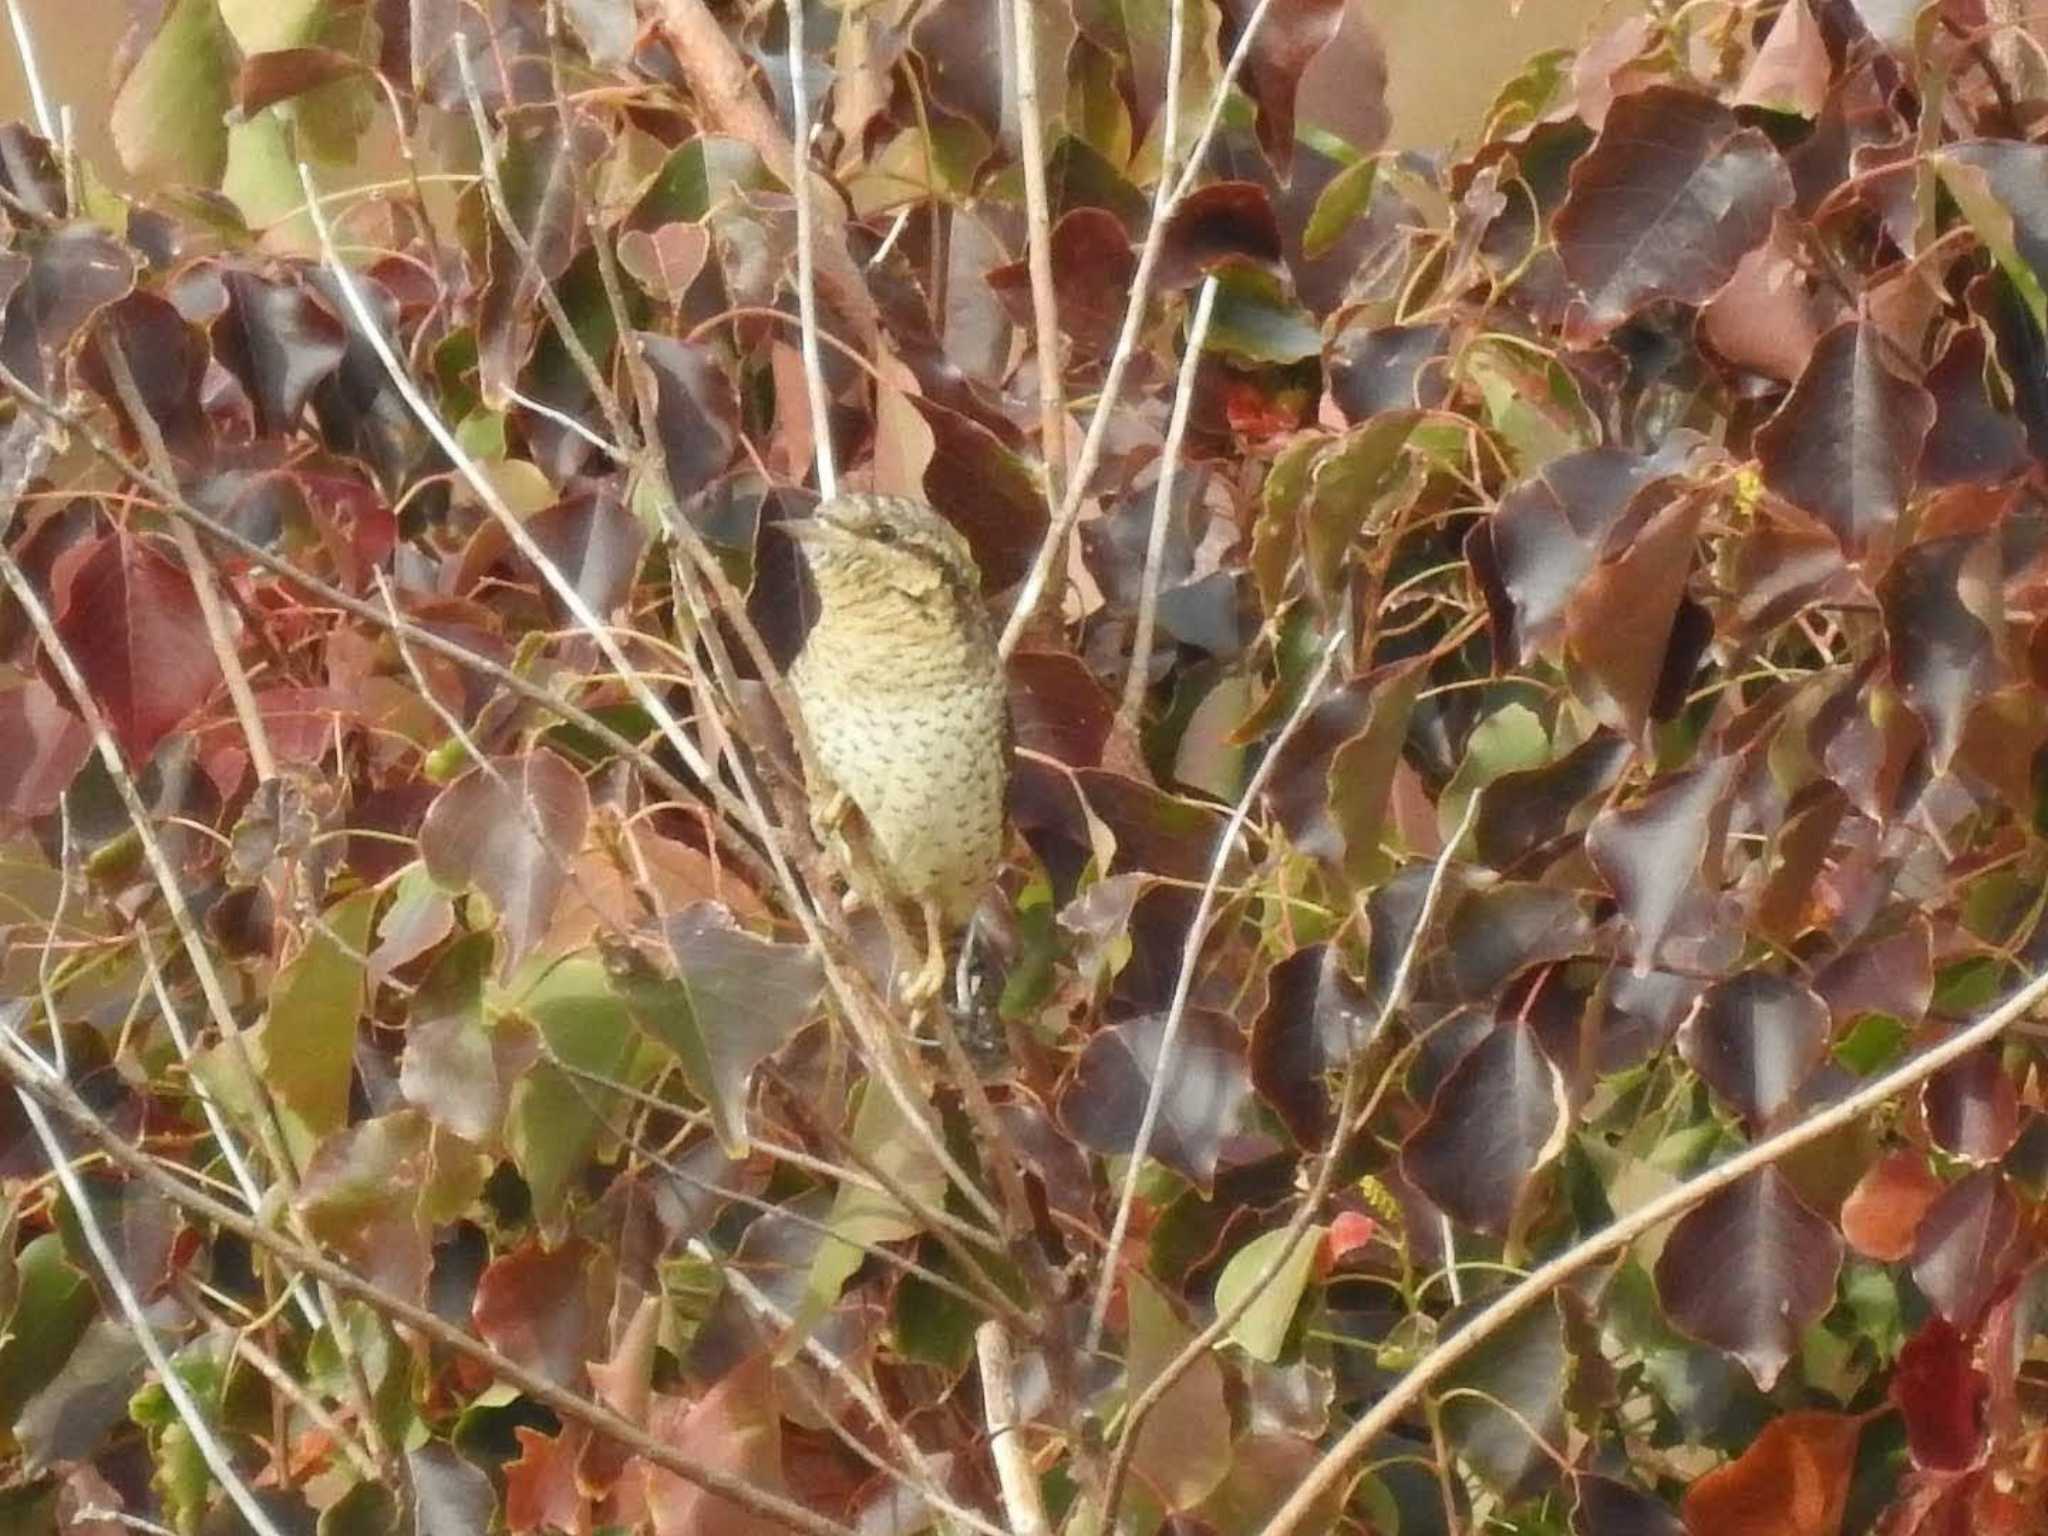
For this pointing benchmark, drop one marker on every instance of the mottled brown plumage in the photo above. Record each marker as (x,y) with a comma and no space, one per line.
(901,691)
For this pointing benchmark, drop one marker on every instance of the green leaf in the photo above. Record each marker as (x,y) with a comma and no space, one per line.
(1255,320)
(264,26)
(305,1048)
(1346,197)
(167,118)
(1992,219)
(1873,1042)
(557,1120)
(54,1304)
(863,1216)
(1509,740)
(1263,1327)
(696,176)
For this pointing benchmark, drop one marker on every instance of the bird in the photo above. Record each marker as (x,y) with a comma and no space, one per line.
(899,685)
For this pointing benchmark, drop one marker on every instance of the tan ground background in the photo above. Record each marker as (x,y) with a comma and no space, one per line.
(1445,58)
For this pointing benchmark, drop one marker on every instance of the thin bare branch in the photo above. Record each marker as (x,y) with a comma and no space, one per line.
(1045,316)
(1336,1463)
(1166,198)
(25,50)
(806,260)
(1014,1472)
(1190,955)
(570,1405)
(1138,678)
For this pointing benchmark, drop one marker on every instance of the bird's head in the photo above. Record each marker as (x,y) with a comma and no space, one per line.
(861,545)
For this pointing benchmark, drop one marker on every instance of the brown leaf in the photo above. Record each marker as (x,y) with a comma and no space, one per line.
(1670,197)
(1755,1039)
(1103,1099)
(1622,621)
(1790,72)
(1843,445)
(1793,1480)
(1884,1210)
(1964,1243)
(737,1428)
(510,829)
(1649,853)
(1491,1124)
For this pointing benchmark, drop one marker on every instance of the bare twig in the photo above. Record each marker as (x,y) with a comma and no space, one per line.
(25,50)
(722,88)
(806,263)
(1045,319)
(1014,1472)
(1198,933)
(218,1462)
(1547,1277)
(1138,679)
(1166,198)
(570,1405)
(1325,1178)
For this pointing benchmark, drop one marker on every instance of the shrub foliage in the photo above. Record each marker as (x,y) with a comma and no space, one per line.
(1589,722)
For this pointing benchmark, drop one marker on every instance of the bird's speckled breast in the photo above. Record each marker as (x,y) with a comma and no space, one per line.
(905,707)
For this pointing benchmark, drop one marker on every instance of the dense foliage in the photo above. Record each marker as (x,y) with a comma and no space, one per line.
(1592,719)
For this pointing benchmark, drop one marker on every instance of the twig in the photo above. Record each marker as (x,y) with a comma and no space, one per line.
(570,1405)
(230,1148)
(25,50)
(1018,1478)
(724,91)
(1166,198)
(1045,315)
(211,1450)
(1325,1178)
(806,265)
(1547,1277)
(1138,679)
(1198,932)
(269,1127)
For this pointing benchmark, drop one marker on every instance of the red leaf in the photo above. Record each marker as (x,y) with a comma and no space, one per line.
(1942,1394)
(132,623)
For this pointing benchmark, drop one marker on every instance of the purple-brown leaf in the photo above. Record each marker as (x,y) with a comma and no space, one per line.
(1747,1270)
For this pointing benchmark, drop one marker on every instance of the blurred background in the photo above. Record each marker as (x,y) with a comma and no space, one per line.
(1445,59)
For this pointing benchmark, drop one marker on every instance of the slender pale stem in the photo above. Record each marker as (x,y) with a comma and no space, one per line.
(1138,678)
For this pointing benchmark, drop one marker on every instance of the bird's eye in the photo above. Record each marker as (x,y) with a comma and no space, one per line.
(885,534)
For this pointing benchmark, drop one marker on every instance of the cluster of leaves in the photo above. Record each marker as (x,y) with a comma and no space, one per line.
(1606,569)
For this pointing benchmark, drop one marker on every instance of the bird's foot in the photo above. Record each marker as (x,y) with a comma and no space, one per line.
(930,980)
(828,817)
